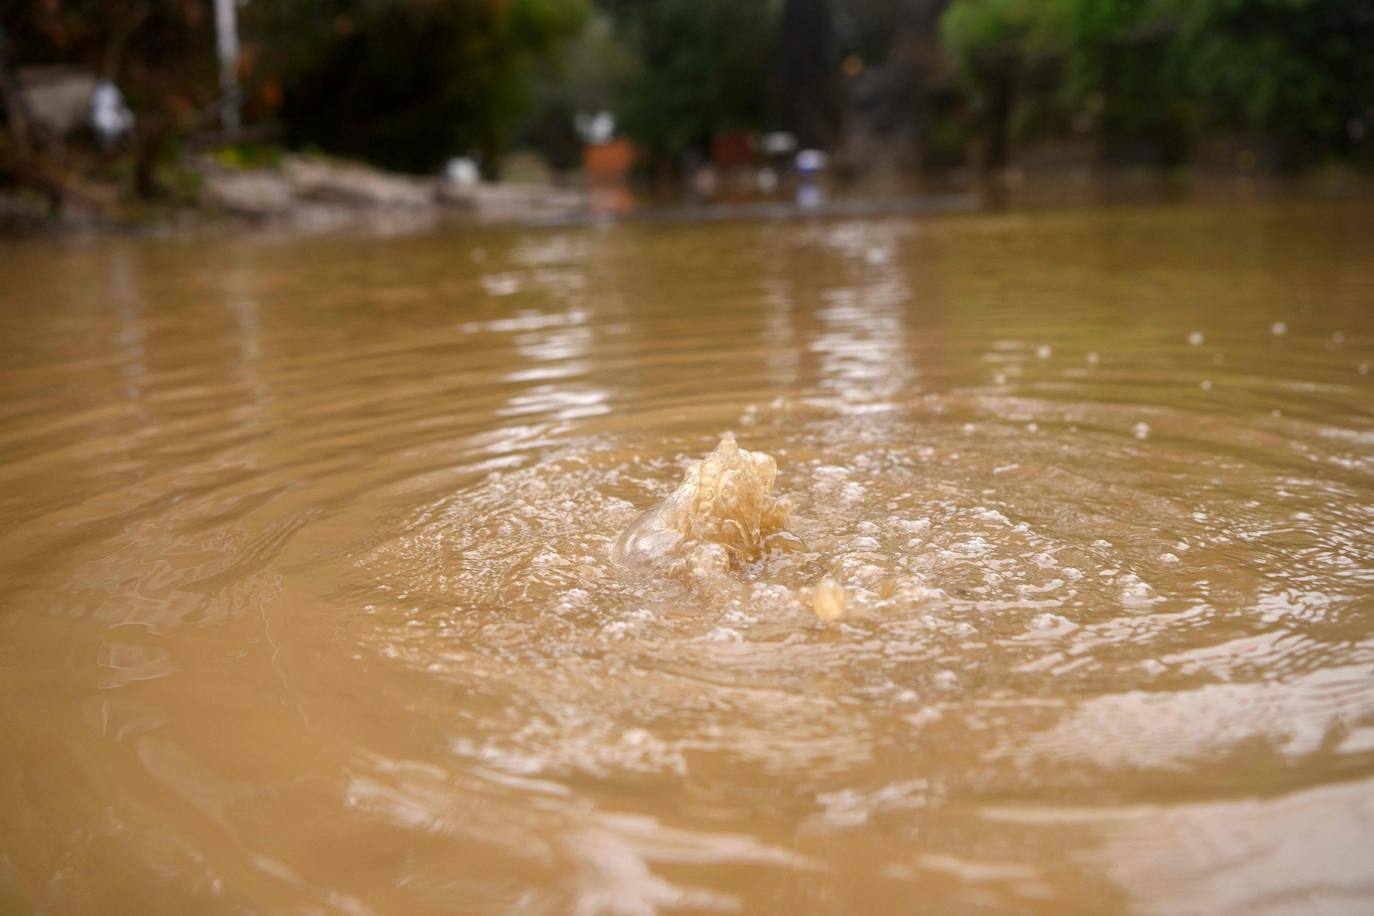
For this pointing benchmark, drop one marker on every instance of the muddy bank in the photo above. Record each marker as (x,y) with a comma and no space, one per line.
(301,193)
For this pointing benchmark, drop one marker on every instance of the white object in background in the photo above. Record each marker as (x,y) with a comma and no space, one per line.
(779,143)
(110,115)
(227,43)
(462,172)
(810,163)
(811,160)
(596,127)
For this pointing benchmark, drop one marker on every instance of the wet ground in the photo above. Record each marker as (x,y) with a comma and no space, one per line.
(308,599)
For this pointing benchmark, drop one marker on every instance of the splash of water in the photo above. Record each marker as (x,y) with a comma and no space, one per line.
(722,516)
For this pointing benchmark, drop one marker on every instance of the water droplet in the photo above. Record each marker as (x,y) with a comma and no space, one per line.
(829,600)
(1196,338)
(1278,328)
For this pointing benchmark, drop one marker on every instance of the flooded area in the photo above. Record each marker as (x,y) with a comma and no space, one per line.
(1038,577)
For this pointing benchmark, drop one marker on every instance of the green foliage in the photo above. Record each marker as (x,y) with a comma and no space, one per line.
(1157,74)
(408,83)
(703,67)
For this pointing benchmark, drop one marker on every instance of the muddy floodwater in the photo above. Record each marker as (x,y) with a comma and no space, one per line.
(325,584)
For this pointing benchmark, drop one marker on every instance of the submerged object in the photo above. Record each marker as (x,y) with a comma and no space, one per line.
(721,516)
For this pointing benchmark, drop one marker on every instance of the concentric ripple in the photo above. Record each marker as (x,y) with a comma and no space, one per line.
(307,597)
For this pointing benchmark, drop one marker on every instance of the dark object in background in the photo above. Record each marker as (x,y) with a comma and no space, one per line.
(810,90)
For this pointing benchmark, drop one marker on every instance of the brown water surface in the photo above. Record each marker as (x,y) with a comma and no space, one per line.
(307,599)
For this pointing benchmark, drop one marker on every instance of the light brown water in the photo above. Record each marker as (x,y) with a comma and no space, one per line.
(307,599)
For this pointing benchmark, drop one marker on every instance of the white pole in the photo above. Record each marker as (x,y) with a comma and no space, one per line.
(227,35)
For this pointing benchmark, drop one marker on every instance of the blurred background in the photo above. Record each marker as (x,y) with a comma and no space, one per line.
(117,106)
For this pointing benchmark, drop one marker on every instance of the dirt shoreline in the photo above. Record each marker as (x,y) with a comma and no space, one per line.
(303,194)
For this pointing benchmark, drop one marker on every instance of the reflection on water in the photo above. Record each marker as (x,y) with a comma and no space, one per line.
(307,599)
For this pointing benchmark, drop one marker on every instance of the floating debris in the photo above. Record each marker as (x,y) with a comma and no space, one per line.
(829,600)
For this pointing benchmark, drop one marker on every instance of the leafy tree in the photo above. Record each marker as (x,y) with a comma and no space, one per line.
(161,54)
(704,66)
(997,44)
(1156,75)
(408,83)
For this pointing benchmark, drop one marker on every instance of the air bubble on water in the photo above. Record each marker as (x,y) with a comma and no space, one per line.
(724,634)
(1134,591)
(616,629)
(1278,328)
(1141,430)
(989,515)
(1043,351)
(1052,623)
(1195,338)
(1093,358)
(1206,384)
